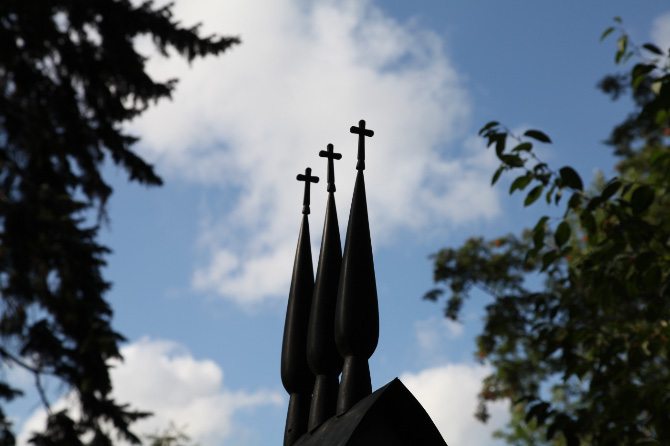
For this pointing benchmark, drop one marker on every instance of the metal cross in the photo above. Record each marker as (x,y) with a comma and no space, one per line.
(307,178)
(362,133)
(331,169)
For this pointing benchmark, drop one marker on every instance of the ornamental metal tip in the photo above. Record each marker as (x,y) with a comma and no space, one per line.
(331,325)
(356,312)
(307,178)
(362,132)
(331,155)
(296,375)
(322,356)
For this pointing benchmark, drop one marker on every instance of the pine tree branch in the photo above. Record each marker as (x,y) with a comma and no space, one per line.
(37,373)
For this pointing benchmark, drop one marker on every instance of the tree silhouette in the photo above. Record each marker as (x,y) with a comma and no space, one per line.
(69,78)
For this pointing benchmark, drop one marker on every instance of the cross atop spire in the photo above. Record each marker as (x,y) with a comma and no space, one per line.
(331,155)
(362,133)
(307,178)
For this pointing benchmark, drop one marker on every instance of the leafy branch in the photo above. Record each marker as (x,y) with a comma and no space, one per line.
(596,331)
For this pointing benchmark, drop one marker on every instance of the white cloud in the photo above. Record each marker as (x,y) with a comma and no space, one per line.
(449,395)
(37,421)
(252,119)
(432,335)
(162,377)
(660,31)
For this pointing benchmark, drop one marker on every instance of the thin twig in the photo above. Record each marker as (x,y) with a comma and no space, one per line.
(36,371)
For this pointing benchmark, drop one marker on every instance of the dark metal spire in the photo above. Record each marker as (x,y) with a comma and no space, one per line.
(322,355)
(296,376)
(356,313)
(362,133)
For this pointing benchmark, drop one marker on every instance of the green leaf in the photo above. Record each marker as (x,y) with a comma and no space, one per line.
(562,233)
(588,221)
(538,135)
(540,167)
(520,183)
(640,72)
(656,87)
(618,20)
(524,146)
(539,412)
(575,201)
(570,178)
(661,117)
(610,189)
(637,80)
(539,232)
(512,160)
(653,48)
(551,431)
(548,259)
(500,143)
(496,175)
(433,294)
(659,157)
(533,195)
(565,251)
(606,33)
(541,223)
(594,203)
(642,198)
(622,44)
(528,259)
(549,192)
(488,126)
(642,68)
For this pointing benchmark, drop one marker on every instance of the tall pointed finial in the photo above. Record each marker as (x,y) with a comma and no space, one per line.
(356,312)
(322,354)
(296,375)
(331,169)
(362,133)
(307,178)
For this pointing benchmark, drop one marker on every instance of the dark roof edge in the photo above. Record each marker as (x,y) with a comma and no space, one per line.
(391,407)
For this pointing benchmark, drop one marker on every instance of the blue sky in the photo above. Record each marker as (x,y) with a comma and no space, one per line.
(201,267)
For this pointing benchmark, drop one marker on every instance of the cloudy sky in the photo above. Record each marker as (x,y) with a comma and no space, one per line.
(201,267)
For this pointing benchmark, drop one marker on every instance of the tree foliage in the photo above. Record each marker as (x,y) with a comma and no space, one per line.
(70,77)
(171,436)
(583,356)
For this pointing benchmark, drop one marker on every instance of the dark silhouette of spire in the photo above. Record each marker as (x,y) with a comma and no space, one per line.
(322,355)
(332,326)
(296,376)
(357,313)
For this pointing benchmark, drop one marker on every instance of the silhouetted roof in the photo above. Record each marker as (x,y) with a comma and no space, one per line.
(391,416)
